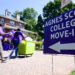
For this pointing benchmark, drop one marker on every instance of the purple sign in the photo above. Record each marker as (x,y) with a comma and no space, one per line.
(59,34)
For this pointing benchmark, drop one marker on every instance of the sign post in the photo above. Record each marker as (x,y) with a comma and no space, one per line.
(52,64)
(59,35)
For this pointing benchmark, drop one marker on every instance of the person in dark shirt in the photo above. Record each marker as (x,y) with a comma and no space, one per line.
(18,37)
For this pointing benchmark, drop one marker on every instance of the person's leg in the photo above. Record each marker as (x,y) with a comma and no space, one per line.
(10,55)
(16,47)
(16,52)
(1,57)
(1,48)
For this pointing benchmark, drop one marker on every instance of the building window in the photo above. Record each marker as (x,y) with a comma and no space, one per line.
(20,25)
(2,20)
(12,23)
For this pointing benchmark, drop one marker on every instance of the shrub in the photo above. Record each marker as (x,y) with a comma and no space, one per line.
(39,38)
(73,72)
(38,45)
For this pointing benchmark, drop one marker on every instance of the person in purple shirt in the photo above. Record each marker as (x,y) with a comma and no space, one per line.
(18,37)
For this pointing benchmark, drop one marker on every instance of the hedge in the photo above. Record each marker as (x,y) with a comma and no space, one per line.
(73,72)
(38,45)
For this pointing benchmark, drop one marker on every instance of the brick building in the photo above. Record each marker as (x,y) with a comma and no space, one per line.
(10,23)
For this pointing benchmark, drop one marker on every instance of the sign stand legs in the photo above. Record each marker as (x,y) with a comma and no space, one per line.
(52,64)
(74,59)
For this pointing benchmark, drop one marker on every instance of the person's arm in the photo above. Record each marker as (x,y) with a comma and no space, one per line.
(1,33)
(23,36)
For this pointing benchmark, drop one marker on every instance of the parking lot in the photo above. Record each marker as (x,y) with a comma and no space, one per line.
(38,64)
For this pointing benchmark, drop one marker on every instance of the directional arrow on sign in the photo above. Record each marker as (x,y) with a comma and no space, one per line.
(58,47)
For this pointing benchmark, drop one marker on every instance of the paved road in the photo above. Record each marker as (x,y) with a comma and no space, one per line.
(38,64)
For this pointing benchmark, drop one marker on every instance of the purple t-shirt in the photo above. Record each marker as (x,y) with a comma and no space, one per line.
(18,36)
(1,31)
(12,32)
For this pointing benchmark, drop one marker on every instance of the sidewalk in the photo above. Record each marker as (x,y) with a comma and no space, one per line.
(38,64)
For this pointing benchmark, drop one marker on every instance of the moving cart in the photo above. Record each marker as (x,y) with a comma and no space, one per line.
(26,48)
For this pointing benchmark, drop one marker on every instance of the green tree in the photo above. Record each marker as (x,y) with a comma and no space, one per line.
(18,12)
(68,7)
(28,15)
(53,9)
(39,26)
